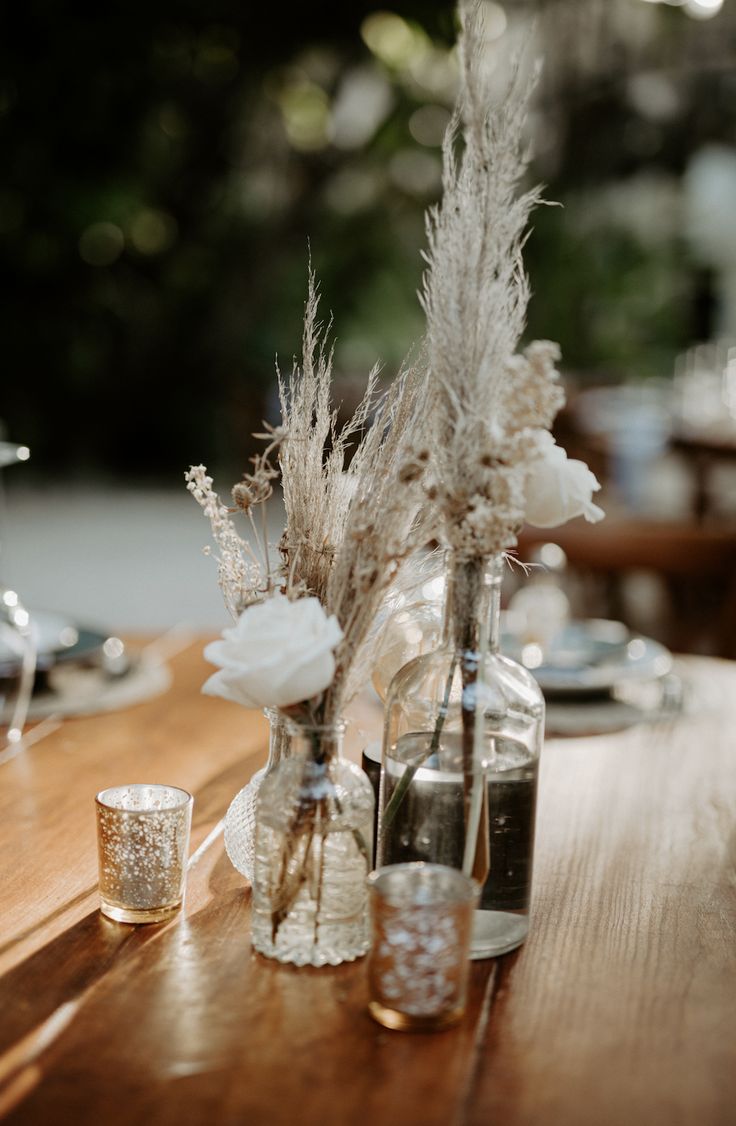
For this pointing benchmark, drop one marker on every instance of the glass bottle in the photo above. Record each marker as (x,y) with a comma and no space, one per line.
(240,819)
(314,838)
(462,739)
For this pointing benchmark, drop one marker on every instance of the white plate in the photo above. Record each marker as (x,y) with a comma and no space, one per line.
(593,656)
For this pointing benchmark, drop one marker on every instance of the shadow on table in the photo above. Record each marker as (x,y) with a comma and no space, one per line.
(75,960)
(63,970)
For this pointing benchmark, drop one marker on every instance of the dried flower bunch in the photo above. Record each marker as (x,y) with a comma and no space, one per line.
(349,525)
(490,408)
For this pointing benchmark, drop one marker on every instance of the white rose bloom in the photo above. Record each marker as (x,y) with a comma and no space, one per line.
(559,488)
(279,653)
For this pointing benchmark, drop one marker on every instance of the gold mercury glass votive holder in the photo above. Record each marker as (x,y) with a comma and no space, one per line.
(143,846)
(422,920)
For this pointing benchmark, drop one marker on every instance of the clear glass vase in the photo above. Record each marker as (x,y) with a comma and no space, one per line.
(240,819)
(314,837)
(462,740)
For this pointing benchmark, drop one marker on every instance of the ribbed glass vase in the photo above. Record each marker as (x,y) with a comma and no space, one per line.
(240,819)
(462,740)
(314,836)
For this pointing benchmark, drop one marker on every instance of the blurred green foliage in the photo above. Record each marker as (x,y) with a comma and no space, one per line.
(619,309)
(167,163)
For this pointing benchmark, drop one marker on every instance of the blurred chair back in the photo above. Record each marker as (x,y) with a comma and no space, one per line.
(695,567)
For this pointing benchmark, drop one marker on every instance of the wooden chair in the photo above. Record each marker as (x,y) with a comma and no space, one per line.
(695,566)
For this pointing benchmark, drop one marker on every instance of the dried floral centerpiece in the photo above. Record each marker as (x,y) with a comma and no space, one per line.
(464,724)
(301,639)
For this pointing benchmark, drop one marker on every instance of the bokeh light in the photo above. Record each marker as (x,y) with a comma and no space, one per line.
(428,124)
(394,40)
(305,109)
(101,244)
(153,231)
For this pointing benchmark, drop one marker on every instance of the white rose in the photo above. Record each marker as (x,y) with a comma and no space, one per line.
(279,653)
(559,488)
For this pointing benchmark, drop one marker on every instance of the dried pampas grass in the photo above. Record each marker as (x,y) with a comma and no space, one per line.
(486,405)
(349,524)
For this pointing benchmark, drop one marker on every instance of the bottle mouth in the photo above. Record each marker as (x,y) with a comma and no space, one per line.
(306,729)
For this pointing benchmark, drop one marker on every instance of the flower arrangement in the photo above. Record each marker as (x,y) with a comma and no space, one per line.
(361,498)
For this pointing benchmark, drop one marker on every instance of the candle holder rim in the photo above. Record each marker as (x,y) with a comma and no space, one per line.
(468,889)
(185,798)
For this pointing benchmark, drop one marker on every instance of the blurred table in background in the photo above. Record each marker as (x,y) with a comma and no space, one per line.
(629,432)
(618,1010)
(695,565)
(664,450)
(704,450)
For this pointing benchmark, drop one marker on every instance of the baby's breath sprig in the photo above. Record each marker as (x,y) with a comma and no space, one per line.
(239,570)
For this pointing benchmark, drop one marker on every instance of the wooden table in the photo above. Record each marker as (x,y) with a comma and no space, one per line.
(620,1008)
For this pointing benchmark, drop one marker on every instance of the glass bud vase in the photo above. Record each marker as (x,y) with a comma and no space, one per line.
(314,838)
(462,740)
(240,819)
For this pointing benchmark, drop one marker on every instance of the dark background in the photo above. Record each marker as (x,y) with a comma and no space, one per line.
(165,164)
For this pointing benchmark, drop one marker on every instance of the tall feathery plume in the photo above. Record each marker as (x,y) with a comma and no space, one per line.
(348,529)
(487,406)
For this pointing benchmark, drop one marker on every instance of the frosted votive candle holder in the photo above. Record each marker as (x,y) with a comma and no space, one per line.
(422,920)
(143,846)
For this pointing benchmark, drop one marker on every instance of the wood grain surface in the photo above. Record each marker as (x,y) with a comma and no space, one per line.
(619,1009)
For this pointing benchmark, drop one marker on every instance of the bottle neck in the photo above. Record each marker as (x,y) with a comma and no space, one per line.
(279,740)
(322,743)
(472,603)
